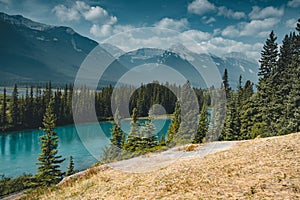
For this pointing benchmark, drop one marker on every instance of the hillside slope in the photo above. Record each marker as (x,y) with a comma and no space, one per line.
(267,168)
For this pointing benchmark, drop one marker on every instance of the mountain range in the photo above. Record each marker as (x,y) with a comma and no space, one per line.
(32,52)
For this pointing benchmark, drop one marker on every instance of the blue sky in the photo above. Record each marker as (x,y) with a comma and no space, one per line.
(220,26)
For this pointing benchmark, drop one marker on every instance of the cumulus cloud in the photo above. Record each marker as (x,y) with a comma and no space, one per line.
(196,35)
(102,21)
(66,14)
(201,7)
(223,11)
(169,23)
(268,12)
(256,28)
(291,23)
(260,27)
(95,14)
(230,31)
(294,3)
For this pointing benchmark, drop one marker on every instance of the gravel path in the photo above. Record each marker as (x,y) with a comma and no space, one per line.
(156,161)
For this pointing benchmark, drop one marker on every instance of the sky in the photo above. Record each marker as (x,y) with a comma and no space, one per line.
(219,26)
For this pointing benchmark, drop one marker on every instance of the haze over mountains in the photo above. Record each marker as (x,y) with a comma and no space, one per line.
(32,52)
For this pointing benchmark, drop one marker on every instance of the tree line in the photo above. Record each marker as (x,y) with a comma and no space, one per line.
(26,112)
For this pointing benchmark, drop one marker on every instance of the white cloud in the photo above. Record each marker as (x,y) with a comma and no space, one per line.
(169,23)
(268,12)
(255,28)
(291,23)
(230,31)
(261,28)
(194,40)
(95,14)
(220,46)
(294,3)
(197,35)
(201,7)
(101,19)
(101,31)
(223,11)
(207,20)
(66,14)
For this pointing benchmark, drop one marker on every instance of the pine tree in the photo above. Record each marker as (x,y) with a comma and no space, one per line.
(226,86)
(4,108)
(48,170)
(189,111)
(70,169)
(149,140)
(133,141)
(266,90)
(117,138)
(172,132)
(202,126)
(15,107)
(269,56)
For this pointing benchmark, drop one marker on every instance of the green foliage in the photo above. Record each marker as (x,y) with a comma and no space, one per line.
(70,169)
(48,165)
(11,185)
(173,129)
(203,126)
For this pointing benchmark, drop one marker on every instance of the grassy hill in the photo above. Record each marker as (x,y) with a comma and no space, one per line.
(264,168)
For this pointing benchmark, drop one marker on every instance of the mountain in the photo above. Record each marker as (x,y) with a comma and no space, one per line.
(32,52)
(35,52)
(188,64)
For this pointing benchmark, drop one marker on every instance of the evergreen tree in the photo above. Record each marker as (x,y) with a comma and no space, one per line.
(226,83)
(14,110)
(266,90)
(4,108)
(174,124)
(134,139)
(70,169)
(118,135)
(202,126)
(48,170)
(269,56)
(149,140)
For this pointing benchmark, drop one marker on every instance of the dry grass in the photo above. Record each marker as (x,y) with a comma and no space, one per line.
(267,168)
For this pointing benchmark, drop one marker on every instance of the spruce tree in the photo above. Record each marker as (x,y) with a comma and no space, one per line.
(134,138)
(202,126)
(14,110)
(189,111)
(4,108)
(117,135)
(226,83)
(70,169)
(174,124)
(48,165)
(149,140)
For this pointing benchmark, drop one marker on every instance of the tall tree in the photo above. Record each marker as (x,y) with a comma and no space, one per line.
(189,112)
(174,124)
(117,135)
(134,138)
(226,85)
(48,170)
(202,126)
(14,110)
(4,108)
